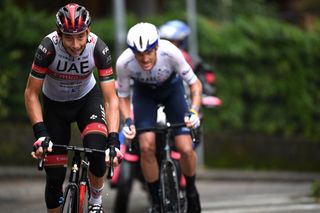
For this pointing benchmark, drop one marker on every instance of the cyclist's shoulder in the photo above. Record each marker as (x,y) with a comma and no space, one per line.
(125,58)
(167,50)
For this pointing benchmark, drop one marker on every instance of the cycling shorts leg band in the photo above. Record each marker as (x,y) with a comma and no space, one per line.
(96,141)
(53,190)
(95,128)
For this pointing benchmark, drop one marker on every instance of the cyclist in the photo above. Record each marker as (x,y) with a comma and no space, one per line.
(178,32)
(63,69)
(155,66)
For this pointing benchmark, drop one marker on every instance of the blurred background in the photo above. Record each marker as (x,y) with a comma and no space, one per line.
(265,55)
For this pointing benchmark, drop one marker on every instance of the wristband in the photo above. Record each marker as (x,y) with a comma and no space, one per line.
(194,112)
(128,122)
(196,108)
(113,139)
(40,130)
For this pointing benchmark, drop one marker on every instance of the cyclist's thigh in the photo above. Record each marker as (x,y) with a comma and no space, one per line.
(91,120)
(176,106)
(144,108)
(56,120)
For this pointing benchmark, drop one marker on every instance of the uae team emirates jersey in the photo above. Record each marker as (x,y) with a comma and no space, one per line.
(68,78)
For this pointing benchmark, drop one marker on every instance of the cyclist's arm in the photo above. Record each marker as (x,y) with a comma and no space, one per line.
(125,107)
(188,75)
(196,93)
(43,57)
(123,76)
(107,83)
(32,102)
(111,104)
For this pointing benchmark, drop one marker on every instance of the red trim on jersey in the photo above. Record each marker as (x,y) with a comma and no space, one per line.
(105,72)
(95,128)
(39,69)
(67,76)
(56,160)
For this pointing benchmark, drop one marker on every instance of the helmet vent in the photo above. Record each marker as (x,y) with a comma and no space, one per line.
(140,41)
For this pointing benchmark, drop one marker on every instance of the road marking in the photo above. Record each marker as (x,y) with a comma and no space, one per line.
(261,204)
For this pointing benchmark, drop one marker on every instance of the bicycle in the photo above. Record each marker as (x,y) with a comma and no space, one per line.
(77,190)
(170,192)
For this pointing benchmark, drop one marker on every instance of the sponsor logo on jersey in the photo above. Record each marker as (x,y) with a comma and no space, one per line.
(65,66)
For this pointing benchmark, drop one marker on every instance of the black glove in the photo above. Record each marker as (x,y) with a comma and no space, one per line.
(40,130)
(113,140)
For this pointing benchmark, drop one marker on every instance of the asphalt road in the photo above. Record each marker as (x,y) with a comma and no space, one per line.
(218,195)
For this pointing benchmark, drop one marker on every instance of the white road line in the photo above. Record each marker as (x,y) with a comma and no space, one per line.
(261,204)
(266,209)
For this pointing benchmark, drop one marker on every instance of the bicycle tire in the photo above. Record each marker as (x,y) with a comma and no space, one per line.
(70,204)
(169,188)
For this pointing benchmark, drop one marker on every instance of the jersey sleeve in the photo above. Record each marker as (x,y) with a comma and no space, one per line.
(182,67)
(43,58)
(123,76)
(102,59)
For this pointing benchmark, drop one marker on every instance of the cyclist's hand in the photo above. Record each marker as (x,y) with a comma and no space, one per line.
(192,119)
(116,160)
(114,148)
(129,130)
(39,146)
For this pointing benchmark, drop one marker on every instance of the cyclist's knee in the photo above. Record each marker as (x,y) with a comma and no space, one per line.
(187,152)
(97,160)
(53,191)
(147,148)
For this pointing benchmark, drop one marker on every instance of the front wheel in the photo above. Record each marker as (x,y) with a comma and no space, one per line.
(70,204)
(169,188)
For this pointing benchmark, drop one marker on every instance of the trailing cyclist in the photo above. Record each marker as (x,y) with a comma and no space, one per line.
(63,69)
(158,69)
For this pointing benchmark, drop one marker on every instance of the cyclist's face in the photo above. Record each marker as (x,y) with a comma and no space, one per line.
(75,44)
(147,59)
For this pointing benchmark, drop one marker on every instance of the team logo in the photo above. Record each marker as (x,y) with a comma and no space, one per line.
(93,117)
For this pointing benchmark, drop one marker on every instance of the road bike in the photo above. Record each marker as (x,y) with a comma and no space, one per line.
(173,197)
(77,190)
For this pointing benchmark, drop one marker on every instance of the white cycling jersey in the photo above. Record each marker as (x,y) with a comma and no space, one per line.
(169,60)
(68,78)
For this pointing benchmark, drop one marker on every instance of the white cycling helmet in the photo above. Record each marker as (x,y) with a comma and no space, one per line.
(174,30)
(142,37)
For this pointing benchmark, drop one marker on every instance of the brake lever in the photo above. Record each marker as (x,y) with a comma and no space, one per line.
(112,155)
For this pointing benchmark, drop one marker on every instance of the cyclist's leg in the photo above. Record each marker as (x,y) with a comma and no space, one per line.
(56,161)
(145,112)
(91,122)
(183,142)
(126,177)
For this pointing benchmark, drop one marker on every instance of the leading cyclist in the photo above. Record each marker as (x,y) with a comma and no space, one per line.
(63,69)
(155,66)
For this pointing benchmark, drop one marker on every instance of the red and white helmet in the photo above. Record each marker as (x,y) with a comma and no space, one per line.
(73,19)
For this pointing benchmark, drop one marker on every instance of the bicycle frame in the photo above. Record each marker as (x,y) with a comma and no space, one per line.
(77,190)
(169,178)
